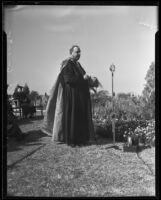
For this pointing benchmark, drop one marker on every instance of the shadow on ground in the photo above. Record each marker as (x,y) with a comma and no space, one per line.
(114,147)
(24,121)
(142,148)
(31,138)
(101,141)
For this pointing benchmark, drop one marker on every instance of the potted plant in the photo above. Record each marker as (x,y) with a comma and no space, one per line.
(132,141)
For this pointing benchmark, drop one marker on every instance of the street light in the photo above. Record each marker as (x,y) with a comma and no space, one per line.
(112,69)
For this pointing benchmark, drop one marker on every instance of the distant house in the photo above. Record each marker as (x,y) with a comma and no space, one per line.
(20,88)
(38,101)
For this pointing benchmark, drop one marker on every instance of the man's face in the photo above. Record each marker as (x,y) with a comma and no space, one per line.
(76,53)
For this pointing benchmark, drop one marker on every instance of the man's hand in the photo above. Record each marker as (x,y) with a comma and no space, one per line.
(86,76)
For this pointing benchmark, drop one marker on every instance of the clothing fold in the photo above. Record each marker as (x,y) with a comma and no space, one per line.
(53,114)
(68,115)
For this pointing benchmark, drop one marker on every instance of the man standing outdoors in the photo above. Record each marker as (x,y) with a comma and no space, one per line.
(68,116)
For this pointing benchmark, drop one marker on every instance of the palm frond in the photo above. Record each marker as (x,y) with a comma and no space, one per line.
(99,84)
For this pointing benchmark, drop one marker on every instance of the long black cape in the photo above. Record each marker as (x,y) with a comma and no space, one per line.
(68,116)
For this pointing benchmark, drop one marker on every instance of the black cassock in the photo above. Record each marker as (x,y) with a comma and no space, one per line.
(77,104)
(68,116)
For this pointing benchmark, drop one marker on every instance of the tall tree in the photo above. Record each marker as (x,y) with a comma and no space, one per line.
(26,89)
(34,95)
(148,92)
(149,88)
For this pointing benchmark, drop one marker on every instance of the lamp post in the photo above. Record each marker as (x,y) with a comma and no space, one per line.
(112,69)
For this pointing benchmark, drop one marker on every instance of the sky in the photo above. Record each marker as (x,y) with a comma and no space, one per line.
(39,38)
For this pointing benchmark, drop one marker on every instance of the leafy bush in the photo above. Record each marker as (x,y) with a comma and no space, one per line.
(28,109)
(124,128)
(144,134)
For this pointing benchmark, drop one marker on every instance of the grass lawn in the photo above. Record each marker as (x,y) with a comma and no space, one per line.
(39,167)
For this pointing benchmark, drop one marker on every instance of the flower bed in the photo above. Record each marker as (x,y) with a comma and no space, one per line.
(144,135)
(140,131)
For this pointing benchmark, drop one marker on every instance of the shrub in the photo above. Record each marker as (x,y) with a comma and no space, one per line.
(144,134)
(28,109)
(123,128)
